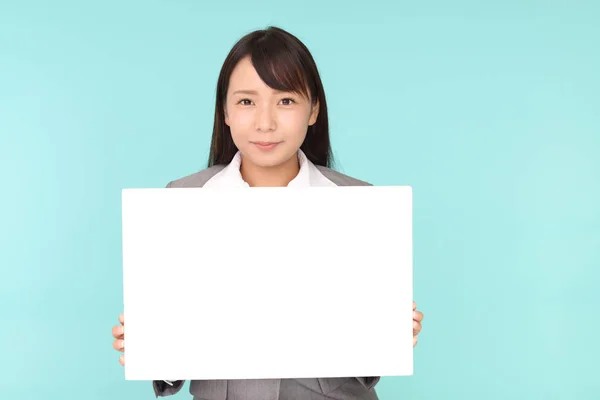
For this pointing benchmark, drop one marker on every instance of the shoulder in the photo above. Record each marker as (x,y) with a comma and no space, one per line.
(340,179)
(196,180)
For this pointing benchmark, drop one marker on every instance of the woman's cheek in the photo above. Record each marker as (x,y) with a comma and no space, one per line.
(241,120)
(294,122)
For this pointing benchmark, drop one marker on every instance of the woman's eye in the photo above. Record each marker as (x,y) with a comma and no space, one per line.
(287,102)
(245,102)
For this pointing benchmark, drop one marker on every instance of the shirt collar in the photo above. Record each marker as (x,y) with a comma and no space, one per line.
(308,175)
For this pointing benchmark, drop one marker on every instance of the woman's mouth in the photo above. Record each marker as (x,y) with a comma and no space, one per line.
(266,145)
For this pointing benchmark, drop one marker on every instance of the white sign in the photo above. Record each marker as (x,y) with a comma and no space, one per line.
(257,283)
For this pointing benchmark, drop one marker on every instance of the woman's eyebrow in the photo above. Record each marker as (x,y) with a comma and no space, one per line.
(245,92)
(255,93)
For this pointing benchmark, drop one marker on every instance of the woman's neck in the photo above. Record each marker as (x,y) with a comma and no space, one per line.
(280,175)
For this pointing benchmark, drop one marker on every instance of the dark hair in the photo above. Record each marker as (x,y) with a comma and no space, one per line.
(284,63)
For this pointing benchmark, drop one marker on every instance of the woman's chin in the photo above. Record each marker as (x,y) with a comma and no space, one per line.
(268,159)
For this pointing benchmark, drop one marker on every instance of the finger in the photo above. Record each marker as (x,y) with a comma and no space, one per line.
(418,316)
(416,328)
(118,332)
(122,360)
(122,319)
(415,340)
(119,345)
(414,306)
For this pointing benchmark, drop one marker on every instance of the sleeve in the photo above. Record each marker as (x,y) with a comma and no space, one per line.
(166,388)
(369,382)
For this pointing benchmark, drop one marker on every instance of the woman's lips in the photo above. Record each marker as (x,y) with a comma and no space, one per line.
(266,145)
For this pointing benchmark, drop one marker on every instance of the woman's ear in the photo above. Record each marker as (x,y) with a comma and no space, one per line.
(314,114)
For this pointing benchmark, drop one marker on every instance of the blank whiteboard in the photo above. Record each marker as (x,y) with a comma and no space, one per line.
(257,283)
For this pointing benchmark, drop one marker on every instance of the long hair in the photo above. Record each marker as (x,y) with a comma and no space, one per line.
(284,63)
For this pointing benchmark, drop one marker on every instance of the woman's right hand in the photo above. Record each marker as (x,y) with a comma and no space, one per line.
(118,332)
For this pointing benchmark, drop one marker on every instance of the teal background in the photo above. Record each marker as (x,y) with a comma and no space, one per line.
(490,110)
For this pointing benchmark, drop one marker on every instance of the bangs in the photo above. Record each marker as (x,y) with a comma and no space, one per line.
(279,67)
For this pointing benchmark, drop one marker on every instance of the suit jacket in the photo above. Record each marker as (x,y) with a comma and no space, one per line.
(350,388)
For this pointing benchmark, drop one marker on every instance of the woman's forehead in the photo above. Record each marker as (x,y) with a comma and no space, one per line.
(244,74)
(270,76)
(245,80)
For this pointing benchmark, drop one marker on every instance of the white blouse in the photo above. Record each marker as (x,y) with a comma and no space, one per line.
(230,176)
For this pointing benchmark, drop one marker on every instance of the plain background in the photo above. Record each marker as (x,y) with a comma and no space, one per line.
(490,110)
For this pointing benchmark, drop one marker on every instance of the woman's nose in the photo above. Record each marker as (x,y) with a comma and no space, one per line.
(265,119)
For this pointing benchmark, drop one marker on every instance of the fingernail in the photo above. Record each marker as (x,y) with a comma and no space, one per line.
(414,314)
(122,343)
(120,330)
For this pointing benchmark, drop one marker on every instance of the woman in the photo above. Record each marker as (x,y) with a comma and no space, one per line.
(270,129)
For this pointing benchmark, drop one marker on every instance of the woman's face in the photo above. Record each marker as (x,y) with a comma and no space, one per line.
(267,126)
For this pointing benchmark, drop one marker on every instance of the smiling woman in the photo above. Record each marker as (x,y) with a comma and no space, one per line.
(269,99)
(268,125)
(270,129)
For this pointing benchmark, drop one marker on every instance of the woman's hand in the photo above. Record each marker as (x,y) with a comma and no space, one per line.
(119,335)
(417,318)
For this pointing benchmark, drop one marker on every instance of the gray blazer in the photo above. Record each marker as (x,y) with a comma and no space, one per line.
(351,388)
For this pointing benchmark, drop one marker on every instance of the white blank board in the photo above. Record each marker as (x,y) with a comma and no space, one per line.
(257,283)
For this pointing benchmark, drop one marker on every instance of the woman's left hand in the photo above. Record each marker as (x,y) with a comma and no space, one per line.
(417,318)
